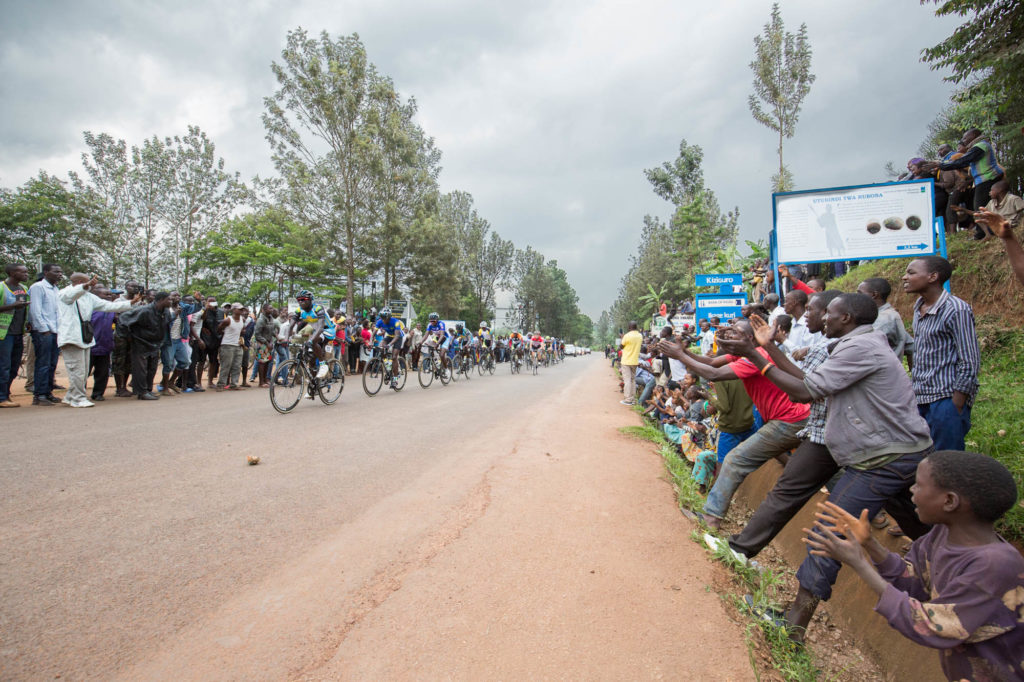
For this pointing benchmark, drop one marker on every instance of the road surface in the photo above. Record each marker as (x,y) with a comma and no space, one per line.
(499,528)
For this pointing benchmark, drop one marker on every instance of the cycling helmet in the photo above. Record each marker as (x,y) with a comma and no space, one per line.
(385,312)
(483,325)
(304,295)
(458,327)
(433,317)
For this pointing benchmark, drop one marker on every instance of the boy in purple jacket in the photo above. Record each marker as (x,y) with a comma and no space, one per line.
(960,588)
(103,330)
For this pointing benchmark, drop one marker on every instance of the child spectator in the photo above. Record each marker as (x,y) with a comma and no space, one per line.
(960,588)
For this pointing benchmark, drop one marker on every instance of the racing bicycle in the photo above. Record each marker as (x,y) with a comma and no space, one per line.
(431,367)
(293,379)
(384,367)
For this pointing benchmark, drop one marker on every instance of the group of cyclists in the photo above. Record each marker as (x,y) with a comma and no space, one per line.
(444,351)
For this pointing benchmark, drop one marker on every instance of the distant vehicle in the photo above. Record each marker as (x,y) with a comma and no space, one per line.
(570,349)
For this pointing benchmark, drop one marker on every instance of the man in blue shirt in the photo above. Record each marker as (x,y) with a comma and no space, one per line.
(394,330)
(44,318)
(437,336)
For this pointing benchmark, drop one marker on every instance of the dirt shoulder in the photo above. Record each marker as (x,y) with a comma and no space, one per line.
(579,567)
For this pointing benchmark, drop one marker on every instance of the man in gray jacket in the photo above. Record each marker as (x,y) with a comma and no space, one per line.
(873,429)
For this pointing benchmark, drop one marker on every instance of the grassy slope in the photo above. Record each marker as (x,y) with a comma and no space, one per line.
(982,277)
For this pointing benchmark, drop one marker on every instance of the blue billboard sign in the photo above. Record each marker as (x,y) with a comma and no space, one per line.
(724,306)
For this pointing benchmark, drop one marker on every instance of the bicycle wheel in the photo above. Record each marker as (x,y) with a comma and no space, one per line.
(373,377)
(444,373)
(426,373)
(490,363)
(333,383)
(400,374)
(480,369)
(466,368)
(286,395)
(536,364)
(453,363)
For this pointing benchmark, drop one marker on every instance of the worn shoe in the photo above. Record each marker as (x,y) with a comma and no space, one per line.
(198,389)
(8,403)
(97,399)
(124,394)
(83,403)
(42,402)
(714,544)
(149,396)
(54,399)
(626,402)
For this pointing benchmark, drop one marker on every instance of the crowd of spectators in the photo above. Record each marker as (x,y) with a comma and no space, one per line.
(835,387)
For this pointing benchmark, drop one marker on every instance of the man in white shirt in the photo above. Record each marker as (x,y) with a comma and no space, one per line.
(43,316)
(76,305)
(707,337)
(771,304)
(796,307)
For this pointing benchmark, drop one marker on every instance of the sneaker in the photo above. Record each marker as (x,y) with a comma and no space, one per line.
(83,403)
(714,543)
(626,402)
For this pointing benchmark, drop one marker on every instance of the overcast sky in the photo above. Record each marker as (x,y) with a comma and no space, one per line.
(546,112)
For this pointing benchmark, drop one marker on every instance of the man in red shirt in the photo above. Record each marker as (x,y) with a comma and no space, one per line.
(783,418)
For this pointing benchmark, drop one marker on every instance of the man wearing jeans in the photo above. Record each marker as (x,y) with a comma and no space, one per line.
(873,429)
(45,320)
(14,305)
(946,354)
(631,342)
(783,418)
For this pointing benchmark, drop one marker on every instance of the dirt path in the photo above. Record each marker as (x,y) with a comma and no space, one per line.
(580,567)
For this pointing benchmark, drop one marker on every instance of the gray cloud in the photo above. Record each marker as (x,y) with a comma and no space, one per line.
(546,112)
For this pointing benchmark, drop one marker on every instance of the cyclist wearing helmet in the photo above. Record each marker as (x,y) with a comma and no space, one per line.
(436,335)
(460,340)
(536,342)
(485,335)
(323,327)
(394,330)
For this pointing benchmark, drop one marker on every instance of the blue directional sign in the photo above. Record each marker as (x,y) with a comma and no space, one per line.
(913,247)
(725,306)
(724,281)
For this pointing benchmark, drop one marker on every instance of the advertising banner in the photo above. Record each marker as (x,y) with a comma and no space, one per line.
(888,220)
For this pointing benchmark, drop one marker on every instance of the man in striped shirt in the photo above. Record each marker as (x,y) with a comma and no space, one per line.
(946,354)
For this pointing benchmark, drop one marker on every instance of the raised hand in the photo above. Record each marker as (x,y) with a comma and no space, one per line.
(763,333)
(822,541)
(999,225)
(858,529)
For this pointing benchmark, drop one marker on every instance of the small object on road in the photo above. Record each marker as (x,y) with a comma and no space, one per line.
(253,460)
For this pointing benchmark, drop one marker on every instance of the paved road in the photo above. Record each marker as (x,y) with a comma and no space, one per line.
(136,543)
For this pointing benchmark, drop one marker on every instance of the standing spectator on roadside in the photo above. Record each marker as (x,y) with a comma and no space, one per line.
(281,353)
(707,337)
(415,341)
(146,324)
(120,359)
(76,304)
(889,321)
(14,304)
(210,335)
(173,353)
(230,348)
(45,321)
(264,337)
(197,358)
(245,343)
(631,343)
(99,355)
(946,354)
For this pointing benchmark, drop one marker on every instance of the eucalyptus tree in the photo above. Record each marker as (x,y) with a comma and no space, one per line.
(149,183)
(106,182)
(322,123)
(200,197)
(782,79)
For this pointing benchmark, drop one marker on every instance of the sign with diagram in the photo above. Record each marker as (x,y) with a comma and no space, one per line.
(889,220)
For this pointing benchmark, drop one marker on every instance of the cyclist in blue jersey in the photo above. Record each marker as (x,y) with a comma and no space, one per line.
(323,327)
(436,336)
(394,330)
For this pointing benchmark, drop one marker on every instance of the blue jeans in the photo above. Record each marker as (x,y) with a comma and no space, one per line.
(174,356)
(645,395)
(46,362)
(11,348)
(728,441)
(949,426)
(855,491)
(772,439)
(281,356)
